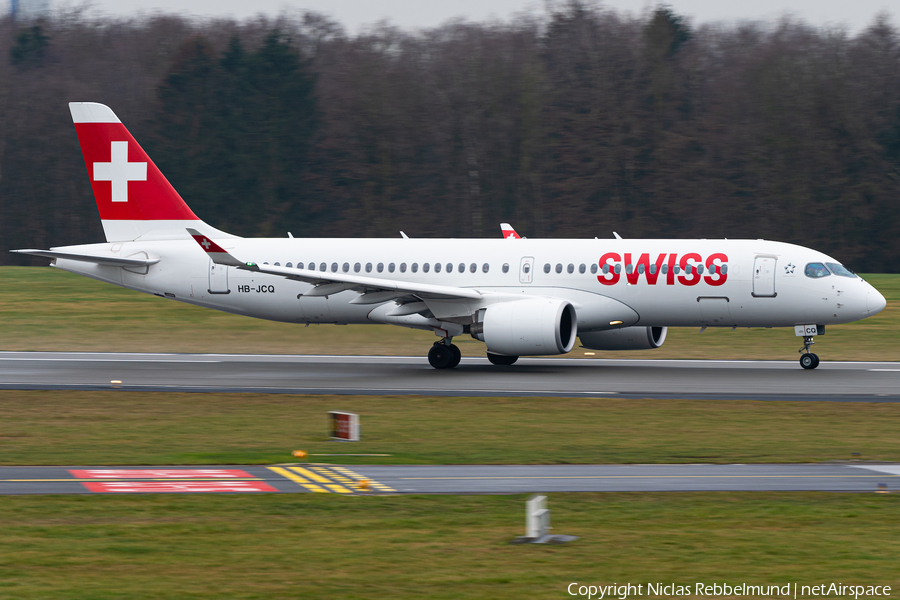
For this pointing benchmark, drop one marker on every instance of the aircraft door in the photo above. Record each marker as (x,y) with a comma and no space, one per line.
(526,270)
(764,277)
(218,279)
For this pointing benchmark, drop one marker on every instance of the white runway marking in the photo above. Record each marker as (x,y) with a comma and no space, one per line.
(889,469)
(140,360)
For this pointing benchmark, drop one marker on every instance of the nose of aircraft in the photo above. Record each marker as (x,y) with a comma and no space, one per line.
(875,302)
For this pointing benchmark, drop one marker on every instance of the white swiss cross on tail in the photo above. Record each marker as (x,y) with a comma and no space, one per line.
(119,171)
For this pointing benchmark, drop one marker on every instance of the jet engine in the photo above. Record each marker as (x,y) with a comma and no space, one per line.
(528,327)
(626,338)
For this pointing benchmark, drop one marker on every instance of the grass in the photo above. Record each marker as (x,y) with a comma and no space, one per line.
(45,309)
(117,427)
(313,546)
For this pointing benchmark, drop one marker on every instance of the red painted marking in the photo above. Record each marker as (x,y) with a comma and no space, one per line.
(157,473)
(150,200)
(177,486)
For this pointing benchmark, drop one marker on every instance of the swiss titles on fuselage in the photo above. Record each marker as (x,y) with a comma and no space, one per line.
(686,269)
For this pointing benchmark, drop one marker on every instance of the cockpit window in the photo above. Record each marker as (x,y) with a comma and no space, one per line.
(841,270)
(816,270)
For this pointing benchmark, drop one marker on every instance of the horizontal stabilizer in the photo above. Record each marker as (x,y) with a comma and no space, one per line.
(112,261)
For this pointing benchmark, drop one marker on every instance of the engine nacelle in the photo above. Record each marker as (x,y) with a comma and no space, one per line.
(626,338)
(528,327)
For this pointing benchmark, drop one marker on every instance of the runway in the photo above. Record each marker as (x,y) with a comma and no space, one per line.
(441,479)
(391,375)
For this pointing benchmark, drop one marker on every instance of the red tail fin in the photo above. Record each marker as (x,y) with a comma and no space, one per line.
(132,195)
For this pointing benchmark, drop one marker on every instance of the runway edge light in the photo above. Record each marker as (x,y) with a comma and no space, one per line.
(300,453)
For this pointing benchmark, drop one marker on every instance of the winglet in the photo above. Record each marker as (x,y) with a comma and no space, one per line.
(509,232)
(215,252)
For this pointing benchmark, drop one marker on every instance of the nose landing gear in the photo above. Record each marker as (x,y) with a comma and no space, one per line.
(444,355)
(808,360)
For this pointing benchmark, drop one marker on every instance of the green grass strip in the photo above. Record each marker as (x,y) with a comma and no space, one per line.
(117,427)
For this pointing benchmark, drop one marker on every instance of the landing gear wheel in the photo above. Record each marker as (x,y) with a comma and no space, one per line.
(500,359)
(809,361)
(440,356)
(457,356)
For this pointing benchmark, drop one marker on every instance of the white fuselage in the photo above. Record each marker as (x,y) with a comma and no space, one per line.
(762,283)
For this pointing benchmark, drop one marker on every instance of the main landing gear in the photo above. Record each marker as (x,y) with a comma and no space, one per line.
(444,355)
(808,360)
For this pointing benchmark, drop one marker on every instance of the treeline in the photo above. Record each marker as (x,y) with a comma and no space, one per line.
(576,124)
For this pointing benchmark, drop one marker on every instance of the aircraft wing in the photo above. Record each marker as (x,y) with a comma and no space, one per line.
(113,261)
(374,289)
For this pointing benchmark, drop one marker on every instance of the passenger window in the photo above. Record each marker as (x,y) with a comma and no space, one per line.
(323,267)
(437,267)
(425,268)
(559,267)
(594,268)
(689,269)
(505,268)
(641,269)
(403,267)
(380,267)
(391,268)
(449,267)
(629,269)
(485,268)
(334,267)
(840,270)
(415,267)
(299,265)
(581,268)
(356,268)
(700,269)
(724,269)
(665,269)
(462,267)
(653,269)
(816,270)
(676,269)
(618,269)
(547,268)
(473,267)
(346,267)
(368,267)
(570,269)
(605,269)
(288,265)
(278,264)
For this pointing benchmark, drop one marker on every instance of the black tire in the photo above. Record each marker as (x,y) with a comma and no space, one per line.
(809,361)
(816,359)
(457,356)
(502,360)
(440,356)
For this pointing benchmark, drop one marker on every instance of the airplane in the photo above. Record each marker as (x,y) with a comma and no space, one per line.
(521,297)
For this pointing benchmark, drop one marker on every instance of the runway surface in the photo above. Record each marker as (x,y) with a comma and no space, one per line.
(372,375)
(462,479)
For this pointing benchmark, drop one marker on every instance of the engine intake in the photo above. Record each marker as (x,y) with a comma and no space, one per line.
(528,327)
(626,338)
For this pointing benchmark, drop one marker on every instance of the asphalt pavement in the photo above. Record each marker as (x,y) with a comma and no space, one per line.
(448,479)
(373,375)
